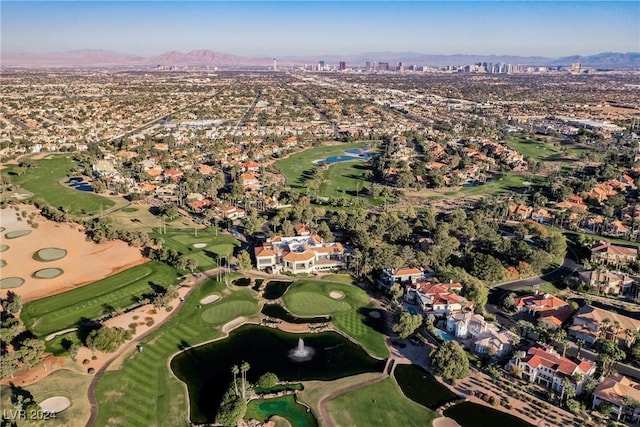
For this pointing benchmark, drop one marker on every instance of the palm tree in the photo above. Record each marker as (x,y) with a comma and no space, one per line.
(243,369)
(235,370)
(580,343)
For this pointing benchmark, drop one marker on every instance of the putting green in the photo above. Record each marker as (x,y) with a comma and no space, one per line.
(16,234)
(47,273)
(222,312)
(49,254)
(4,248)
(11,282)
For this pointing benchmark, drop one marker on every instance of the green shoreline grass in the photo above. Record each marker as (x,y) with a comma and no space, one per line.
(43,182)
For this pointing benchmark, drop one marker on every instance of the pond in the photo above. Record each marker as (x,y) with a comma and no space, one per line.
(275,289)
(421,387)
(79,184)
(279,312)
(207,369)
(469,414)
(286,407)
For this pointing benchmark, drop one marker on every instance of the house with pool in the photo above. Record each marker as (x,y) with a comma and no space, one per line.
(481,336)
(299,254)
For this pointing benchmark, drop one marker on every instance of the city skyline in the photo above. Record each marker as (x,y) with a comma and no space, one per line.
(259,29)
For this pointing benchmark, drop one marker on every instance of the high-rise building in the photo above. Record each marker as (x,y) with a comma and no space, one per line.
(383,66)
(342,65)
(367,65)
(576,67)
(275,65)
(320,65)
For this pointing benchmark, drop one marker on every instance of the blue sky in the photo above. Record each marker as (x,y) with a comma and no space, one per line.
(270,28)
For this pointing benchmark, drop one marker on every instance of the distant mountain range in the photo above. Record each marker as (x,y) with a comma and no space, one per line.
(201,57)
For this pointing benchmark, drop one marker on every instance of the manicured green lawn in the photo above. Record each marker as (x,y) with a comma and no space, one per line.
(217,245)
(43,182)
(143,392)
(285,406)
(349,314)
(123,289)
(239,303)
(378,404)
(504,183)
(531,148)
(344,179)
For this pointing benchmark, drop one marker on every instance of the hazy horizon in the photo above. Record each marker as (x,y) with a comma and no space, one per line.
(266,28)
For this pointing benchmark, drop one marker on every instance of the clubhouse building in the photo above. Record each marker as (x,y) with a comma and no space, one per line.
(299,254)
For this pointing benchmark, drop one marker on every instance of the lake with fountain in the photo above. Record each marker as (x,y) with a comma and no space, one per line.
(292,357)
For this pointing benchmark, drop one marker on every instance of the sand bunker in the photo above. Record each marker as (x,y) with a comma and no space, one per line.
(47,273)
(4,248)
(209,299)
(229,326)
(199,245)
(445,422)
(336,294)
(16,234)
(375,315)
(55,404)
(11,282)
(57,334)
(49,254)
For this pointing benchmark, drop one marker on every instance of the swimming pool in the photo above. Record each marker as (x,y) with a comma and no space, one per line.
(445,336)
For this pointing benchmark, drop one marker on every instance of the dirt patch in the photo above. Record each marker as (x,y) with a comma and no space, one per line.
(293,327)
(49,364)
(209,299)
(55,404)
(336,294)
(104,259)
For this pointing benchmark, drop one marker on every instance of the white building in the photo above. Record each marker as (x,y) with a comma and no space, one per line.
(299,254)
(544,366)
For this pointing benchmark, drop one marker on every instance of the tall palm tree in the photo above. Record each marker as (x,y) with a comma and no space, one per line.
(580,343)
(243,369)
(235,370)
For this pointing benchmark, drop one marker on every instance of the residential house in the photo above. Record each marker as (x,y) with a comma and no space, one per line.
(495,341)
(520,212)
(402,275)
(438,299)
(543,365)
(617,229)
(300,254)
(607,282)
(542,216)
(592,323)
(545,307)
(611,254)
(619,391)
(250,181)
(465,324)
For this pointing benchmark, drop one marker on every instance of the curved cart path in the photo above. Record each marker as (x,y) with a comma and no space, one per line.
(94,382)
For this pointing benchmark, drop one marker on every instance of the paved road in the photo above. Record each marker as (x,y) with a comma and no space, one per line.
(568,267)
(570,264)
